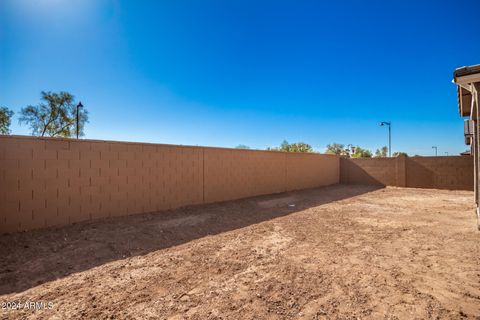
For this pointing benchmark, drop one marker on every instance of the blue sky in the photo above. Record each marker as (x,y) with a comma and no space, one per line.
(223,73)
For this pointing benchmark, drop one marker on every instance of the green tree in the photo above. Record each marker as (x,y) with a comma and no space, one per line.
(5,120)
(381,153)
(399,153)
(55,116)
(337,148)
(293,147)
(361,153)
(242,146)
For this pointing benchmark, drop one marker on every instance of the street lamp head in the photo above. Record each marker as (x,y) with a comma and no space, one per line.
(80,105)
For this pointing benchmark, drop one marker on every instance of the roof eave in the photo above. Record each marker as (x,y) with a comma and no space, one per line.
(464,89)
(467,80)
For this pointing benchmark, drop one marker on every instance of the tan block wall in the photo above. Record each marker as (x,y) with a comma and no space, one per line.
(309,170)
(45,182)
(370,171)
(440,172)
(453,172)
(233,174)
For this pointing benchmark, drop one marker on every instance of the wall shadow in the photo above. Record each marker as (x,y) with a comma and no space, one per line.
(449,173)
(35,257)
(419,176)
(352,173)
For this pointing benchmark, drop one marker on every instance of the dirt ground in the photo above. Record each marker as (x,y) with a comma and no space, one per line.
(340,252)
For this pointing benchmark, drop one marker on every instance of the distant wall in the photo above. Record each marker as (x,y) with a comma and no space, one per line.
(452,172)
(46,182)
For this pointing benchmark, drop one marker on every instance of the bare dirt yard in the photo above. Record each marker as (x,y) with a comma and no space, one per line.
(340,252)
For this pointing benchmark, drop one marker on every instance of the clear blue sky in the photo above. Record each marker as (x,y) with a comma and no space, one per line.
(223,73)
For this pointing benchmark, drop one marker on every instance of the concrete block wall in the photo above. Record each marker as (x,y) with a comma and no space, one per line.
(440,172)
(233,174)
(46,182)
(370,171)
(304,170)
(452,172)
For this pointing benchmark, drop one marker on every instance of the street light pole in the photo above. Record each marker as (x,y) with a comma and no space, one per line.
(389,124)
(436,150)
(79,105)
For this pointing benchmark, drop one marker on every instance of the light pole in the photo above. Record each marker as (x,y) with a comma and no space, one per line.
(436,150)
(389,124)
(79,105)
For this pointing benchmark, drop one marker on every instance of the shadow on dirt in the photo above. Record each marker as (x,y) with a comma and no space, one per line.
(32,258)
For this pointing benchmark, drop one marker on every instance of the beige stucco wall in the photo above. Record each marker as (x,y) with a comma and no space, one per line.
(452,172)
(46,182)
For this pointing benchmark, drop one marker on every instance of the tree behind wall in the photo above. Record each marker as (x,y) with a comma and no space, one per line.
(293,147)
(5,120)
(361,153)
(337,148)
(55,116)
(399,153)
(381,153)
